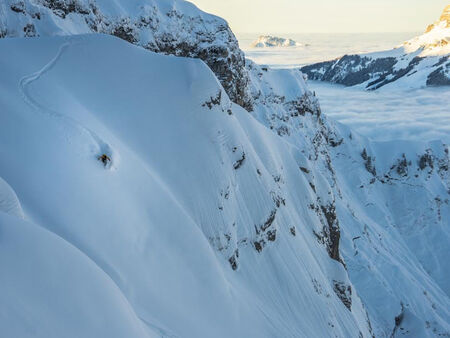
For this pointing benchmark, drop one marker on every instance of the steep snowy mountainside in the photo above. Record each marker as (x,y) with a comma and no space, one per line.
(265,41)
(200,218)
(392,192)
(174,27)
(419,62)
(183,212)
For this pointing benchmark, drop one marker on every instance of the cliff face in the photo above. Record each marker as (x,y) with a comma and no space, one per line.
(421,61)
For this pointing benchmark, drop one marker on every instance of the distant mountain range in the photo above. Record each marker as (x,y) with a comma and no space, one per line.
(419,62)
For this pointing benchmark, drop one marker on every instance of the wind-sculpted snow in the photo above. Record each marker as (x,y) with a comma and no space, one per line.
(51,289)
(214,222)
(419,62)
(9,203)
(173,27)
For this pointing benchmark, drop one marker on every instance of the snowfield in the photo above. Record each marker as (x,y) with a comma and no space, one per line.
(201,221)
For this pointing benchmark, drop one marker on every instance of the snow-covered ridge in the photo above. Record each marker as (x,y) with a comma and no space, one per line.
(174,27)
(265,41)
(419,62)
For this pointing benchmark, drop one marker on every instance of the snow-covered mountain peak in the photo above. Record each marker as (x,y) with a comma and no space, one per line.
(443,20)
(436,39)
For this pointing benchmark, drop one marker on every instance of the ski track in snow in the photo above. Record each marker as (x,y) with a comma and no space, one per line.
(24,83)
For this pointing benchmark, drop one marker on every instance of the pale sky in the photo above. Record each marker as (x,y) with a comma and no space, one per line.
(325,16)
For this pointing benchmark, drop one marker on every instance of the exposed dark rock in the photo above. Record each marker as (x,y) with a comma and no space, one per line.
(426,160)
(307,103)
(125,32)
(283,130)
(233,260)
(36,15)
(332,142)
(305,170)
(259,245)
(269,220)
(214,101)
(344,292)
(64,7)
(332,232)
(265,232)
(293,231)
(369,162)
(18,7)
(29,30)
(239,162)
(439,77)
(272,235)
(277,199)
(277,178)
(402,166)
(398,320)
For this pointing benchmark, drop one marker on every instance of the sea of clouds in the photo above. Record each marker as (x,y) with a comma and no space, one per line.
(382,115)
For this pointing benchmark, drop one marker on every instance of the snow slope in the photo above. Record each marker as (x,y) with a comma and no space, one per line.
(155,222)
(165,207)
(51,289)
(419,62)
